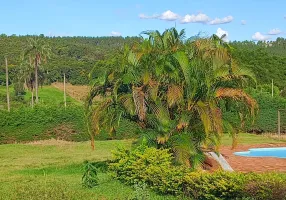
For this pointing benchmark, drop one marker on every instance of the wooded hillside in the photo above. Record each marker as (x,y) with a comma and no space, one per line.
(76,56)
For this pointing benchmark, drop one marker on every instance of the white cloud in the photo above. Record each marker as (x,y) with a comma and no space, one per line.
(243,22)
(220,32)
(260,37)
(115,33)
(193,18)
(224,20)
(199,18)
(275,31)
(167,15)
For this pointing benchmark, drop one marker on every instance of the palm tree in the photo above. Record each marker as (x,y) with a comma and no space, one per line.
(36,52)
(173,89)
(26,76)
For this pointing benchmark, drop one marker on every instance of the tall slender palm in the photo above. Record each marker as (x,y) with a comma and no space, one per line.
(26,78)
(36,52)
(173,90)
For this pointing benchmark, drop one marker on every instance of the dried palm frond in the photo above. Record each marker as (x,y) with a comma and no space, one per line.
(174,95)
(128,103)
(153,89)
(99,114)
(139,101)
(162,138)
(237,94)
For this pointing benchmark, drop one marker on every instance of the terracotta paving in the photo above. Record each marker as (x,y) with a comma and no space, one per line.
(250,164)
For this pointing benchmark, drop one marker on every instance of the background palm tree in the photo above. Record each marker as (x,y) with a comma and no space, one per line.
(26,77)
(36,52)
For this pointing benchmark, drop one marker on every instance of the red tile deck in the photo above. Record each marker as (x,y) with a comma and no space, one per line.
(249,164)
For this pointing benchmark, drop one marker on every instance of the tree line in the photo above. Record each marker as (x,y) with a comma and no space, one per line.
(76,56)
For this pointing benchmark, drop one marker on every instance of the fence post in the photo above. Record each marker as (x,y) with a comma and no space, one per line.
(65,96)
(7,85)
(279,131)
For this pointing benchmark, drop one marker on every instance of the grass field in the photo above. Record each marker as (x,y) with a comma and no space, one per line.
(246,138)
(47,95)
(53,169)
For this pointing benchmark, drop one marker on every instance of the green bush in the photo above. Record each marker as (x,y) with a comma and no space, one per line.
(266,118)
(149,165)
(219,185)
(89,178)
(154,168)
(266,186)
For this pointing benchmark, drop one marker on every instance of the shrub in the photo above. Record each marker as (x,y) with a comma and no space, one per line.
(89,178)
(141,192)
(266,186)
(154,167)
(149,165)
(219,185)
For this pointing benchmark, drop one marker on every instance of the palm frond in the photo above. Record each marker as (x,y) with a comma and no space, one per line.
(237,94)
(139,101)
(174,95)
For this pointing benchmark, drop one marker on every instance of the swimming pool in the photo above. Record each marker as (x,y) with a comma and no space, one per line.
(279,152)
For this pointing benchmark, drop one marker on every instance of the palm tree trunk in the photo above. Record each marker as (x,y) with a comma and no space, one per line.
(92,143)
(32,98)
(7,86)
(36,79)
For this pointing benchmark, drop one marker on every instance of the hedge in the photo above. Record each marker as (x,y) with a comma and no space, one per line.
(155,168)
(266,118)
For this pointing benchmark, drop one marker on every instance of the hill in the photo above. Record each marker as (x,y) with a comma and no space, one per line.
(76,56)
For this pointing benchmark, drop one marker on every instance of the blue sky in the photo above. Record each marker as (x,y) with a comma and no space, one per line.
(263,19)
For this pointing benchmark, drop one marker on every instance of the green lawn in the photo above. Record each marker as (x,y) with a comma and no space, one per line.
(29,171)
(51,95)
(246,138)
(53,170)
(47,95)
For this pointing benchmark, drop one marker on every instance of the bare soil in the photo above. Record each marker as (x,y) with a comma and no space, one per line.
(78,92)
(52,142)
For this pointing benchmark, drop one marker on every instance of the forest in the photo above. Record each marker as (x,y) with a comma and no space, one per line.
(76,56)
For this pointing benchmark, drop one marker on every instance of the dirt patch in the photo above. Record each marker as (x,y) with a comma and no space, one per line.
(61,132)
(53,142)
(251,164)
(78,92)
(211,164)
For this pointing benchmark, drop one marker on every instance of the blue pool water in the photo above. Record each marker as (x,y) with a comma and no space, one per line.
(279,152)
